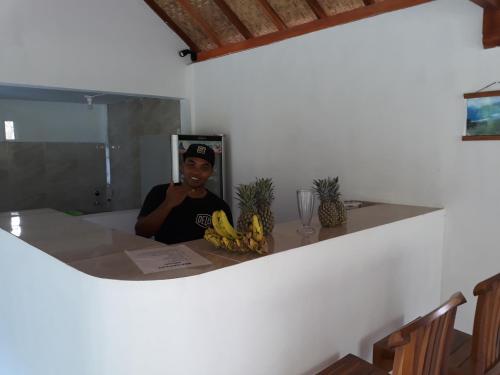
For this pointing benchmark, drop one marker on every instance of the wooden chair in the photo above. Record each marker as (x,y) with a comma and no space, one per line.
(421,347)
(484,355)
(478,354)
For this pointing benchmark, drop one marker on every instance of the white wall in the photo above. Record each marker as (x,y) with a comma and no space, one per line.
(38,121)
(285,313)
(379,103)
(112,45)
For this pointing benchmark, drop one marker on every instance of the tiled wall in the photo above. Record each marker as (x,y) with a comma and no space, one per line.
(63,176)
(128,121)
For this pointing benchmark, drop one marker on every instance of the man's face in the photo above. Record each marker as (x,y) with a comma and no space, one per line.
(196,171)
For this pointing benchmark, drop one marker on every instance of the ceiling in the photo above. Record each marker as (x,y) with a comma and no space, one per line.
(213,28)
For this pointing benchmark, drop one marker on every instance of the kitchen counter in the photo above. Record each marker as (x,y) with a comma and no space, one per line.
(99,251)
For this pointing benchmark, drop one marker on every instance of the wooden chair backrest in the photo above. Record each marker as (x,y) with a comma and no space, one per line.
(422,346)
(486,334)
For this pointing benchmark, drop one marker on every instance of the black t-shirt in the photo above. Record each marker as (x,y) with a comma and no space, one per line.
(188,220)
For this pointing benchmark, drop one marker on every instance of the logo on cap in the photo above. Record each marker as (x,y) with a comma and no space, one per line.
(201,150)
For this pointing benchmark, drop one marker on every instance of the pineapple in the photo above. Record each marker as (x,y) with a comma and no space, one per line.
(331,210)
(247,198)
(264,198)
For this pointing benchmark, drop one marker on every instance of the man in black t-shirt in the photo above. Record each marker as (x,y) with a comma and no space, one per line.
(182,212)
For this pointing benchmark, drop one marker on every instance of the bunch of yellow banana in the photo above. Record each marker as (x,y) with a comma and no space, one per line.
(223,235)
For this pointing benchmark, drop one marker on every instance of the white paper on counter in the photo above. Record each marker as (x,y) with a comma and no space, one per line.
(166,258)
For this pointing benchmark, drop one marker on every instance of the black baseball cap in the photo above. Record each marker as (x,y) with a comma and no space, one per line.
(198,150)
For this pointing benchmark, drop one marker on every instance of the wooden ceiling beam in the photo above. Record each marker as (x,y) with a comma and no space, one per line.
(491,22)
(316,8)
(200,21)
(234,19)
(319,24)
(491,28)
(368,2)
(170,23)
(273,16)
(487,3)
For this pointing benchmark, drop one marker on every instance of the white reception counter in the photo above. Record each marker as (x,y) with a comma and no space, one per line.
(73,303)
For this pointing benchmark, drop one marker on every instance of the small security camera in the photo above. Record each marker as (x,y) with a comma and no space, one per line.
(189,52)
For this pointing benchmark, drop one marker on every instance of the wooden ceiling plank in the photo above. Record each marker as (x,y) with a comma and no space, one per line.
(316,8)
(487,3)
(369,2)
(200,21)
(273,16)
(170,23)
(234,19)
(323,23)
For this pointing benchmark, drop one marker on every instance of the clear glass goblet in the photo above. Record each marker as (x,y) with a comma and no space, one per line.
(305,203)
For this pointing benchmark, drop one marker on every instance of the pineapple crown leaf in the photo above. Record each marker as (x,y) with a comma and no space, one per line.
(246,196)
(264,191)
(327,188)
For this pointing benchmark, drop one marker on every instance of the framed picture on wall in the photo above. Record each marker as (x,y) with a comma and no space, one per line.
(483,116)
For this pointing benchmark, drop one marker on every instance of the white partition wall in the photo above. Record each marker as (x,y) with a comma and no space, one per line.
(287,313)
(112,46)
(121,220)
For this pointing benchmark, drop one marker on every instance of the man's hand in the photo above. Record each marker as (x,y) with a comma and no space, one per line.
(175,195)
(148,225)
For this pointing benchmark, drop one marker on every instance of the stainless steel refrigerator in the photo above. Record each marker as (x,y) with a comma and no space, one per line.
(180,143)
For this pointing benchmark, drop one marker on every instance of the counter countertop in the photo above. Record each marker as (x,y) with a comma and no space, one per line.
(99,251)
